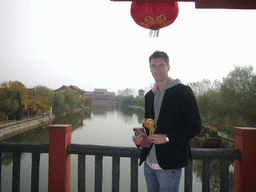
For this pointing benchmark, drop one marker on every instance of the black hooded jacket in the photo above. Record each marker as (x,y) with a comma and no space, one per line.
(178,118)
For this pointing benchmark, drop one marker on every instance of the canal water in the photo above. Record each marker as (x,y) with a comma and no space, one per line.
(100,126)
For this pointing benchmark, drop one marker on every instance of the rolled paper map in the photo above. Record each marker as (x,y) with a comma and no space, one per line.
(150,124)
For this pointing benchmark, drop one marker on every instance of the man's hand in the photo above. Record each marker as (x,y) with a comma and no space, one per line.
(157,138)
(137,139)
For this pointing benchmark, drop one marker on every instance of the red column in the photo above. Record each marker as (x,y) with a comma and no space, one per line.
(59,160)
(245,168)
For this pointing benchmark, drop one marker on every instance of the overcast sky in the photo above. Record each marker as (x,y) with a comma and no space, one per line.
(96,44)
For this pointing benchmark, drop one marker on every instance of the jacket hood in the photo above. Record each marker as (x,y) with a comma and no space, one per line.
(171,83)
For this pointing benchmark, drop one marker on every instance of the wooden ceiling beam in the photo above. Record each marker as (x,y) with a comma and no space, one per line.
(226,4)
(155,0)
(213,4)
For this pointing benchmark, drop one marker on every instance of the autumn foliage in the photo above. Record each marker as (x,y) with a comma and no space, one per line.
(17,101)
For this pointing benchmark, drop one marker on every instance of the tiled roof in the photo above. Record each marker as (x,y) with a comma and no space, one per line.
(100,90)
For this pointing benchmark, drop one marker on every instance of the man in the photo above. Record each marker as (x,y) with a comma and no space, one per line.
(173,107)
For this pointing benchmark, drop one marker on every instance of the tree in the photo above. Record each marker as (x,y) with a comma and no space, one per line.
(3,97)
(230,103)
(126,92)
(238,92)
(42,99)
(88,101)
(10,106)
(46,95)
(128,101)
(140,101)
(72,100)
(13,99)
(20,111)
(19,87)
(200,87)
(58,103)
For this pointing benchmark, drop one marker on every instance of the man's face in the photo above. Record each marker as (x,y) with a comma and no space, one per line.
(159,69)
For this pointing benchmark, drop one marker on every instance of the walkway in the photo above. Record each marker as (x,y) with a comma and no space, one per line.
(22,126)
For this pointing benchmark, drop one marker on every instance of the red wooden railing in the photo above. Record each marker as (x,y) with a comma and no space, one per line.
(59,160)
(245,168)
(60,150)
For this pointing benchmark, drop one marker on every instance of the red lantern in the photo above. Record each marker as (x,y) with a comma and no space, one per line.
(154,14)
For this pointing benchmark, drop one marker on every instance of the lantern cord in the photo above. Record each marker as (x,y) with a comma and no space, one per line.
(154,33)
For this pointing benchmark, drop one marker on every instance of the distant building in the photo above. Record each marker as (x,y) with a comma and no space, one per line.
(77,89)
(101,97)
(73,88)
(141,93)
(64,87)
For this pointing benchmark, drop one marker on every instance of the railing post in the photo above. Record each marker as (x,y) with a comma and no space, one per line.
(59,160)
(245,168)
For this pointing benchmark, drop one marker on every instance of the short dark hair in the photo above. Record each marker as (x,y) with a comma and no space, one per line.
(159,54)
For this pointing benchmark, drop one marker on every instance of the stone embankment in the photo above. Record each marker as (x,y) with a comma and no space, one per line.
(136,107)
(10,130)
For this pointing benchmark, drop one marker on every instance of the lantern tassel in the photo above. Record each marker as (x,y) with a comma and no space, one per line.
(154,32)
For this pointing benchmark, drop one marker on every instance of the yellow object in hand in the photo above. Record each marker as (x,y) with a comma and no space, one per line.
(150,124)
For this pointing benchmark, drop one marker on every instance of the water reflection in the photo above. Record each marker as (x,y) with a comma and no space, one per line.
(76,119)
(100,126)
(132,111)
(102,110)
(215,171)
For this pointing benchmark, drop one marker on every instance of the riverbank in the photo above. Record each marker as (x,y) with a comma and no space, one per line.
(14,128)
(21,127)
